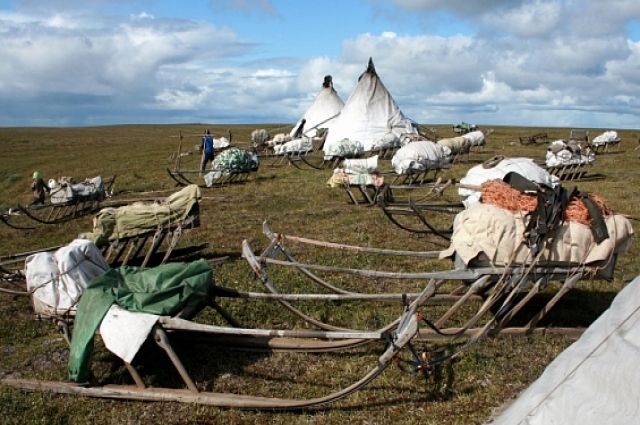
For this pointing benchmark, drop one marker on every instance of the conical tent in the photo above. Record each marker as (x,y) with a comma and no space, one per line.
(322,113)
(369,114)
(594,381)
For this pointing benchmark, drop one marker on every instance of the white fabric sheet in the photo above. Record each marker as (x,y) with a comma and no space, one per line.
(476,138)
(302,145)
(593,382)
(499,235)
(419,156)
(123,332)
(608,137)
(360,166)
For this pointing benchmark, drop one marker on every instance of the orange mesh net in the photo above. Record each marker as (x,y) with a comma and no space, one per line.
(500,194)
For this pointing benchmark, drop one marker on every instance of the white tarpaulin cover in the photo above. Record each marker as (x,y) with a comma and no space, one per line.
(58,279)
(65,191)
(221,142)
(123,332)
(302,145)
(596,380)
(419,156)
(360,166)
(476,138)
(562,153)
(455,145)
(369,115)
(523,166)
(499,235)
(345,148)
(323,111)
(606,138)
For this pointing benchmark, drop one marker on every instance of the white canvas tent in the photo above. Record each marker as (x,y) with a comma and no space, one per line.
(594,381)
(322,113)
(369,114)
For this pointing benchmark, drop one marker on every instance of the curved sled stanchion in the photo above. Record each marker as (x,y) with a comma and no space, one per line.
(5,220)
(177,177)
(417,213)
(407,329)
(304,159)
(503,292)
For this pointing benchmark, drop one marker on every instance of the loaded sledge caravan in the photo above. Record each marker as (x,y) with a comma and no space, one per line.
(505,252)
(122,234)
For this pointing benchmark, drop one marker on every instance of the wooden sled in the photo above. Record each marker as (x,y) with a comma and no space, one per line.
(533,139)
(50,213)
(611,146)
(123,250)
(118,252)
(318,161)
(395,340)
(429,188)
(5,218)
(418,216)
(570,172)
(79,206)
(232,177)
(472,301)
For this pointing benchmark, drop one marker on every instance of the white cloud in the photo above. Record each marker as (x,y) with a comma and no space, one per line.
(533,19)
(528,65)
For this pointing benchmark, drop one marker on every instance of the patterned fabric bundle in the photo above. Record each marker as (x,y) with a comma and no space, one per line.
(235,160)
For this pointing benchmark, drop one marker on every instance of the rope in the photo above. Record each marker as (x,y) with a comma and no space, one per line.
(501,194)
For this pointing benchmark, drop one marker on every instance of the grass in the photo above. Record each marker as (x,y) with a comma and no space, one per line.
(294,202)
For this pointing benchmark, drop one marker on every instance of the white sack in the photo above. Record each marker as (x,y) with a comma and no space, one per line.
(221,142)
(58,279)
(344,148)
(606,138)
(360,166)
(476,138)
(419,156)
(302,145)
(562,153)
(455,145)
(65,192)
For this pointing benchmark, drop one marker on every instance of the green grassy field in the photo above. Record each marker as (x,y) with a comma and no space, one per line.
(294,202)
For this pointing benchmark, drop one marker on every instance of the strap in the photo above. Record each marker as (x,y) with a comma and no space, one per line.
(598,226)
(519,182)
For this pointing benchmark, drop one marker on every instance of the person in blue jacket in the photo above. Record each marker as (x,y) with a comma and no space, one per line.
(207,150)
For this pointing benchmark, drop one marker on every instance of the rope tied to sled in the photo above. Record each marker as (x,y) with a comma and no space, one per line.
(503,195)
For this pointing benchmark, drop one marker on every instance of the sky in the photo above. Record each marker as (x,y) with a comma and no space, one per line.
(544,63)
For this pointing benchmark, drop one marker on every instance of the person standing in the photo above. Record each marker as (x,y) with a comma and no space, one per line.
(207,150)
(39,187)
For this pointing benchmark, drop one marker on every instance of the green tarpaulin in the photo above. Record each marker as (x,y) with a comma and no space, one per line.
(140,217)
(162,290)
